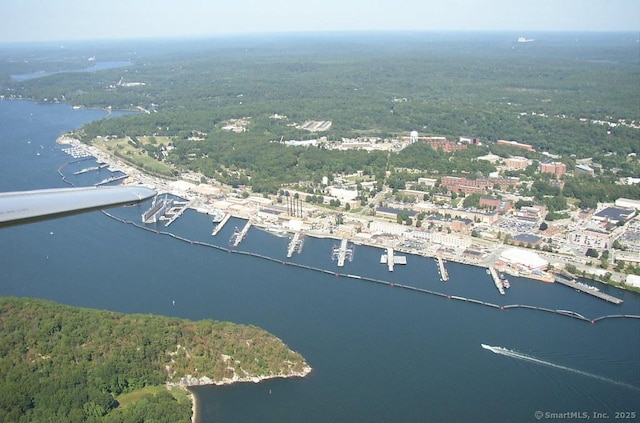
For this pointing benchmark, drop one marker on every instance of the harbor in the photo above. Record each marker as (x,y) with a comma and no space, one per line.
(377,281)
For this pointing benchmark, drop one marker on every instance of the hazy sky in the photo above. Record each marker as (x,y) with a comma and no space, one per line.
(56,20)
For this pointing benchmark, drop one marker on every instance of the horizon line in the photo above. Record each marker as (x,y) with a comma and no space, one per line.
(227,35)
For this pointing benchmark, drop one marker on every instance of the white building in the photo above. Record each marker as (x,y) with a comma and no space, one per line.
(387,228)
(627,203)
(529,260)
(633,280)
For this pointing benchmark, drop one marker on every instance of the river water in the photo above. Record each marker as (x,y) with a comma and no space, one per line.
(379,353)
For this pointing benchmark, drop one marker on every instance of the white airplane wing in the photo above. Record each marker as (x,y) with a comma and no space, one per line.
(32,206)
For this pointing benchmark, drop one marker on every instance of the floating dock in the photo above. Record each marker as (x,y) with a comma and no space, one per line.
(157,209)
(496,280)
(220,225)
(444,275)
(591,290)
(391,259)
(238,235)
(295,245)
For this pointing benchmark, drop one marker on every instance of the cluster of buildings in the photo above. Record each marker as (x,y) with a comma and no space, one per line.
(600,229)
(479,185)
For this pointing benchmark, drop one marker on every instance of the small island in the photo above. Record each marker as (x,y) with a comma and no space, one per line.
(71,364)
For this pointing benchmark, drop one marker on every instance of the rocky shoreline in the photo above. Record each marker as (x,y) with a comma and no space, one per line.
(188,381)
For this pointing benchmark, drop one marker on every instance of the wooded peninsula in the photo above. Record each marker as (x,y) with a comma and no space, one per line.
(63,363)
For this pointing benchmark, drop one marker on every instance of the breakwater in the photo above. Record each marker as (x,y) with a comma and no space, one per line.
(366,279)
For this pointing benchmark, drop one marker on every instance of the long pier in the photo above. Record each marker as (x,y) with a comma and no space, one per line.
(587,289)
(444,275)
(496,280)
(342,253)
(219,226)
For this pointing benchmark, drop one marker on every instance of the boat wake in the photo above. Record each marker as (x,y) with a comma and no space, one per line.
(525,357)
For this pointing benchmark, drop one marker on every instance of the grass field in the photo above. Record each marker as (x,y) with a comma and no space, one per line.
(135,153)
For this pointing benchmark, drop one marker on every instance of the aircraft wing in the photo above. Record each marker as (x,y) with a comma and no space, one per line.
(32,206)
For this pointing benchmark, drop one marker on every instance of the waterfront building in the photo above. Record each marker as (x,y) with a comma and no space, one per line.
(523,259)
(633,280)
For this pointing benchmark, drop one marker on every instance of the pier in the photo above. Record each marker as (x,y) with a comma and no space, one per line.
(110,179)
(591,290)
(238,236)
(496,280)
(295,245)
(342,253)
(176,213)
(564,313)
(88,169)
(391,259)
(220,225)
(444,275)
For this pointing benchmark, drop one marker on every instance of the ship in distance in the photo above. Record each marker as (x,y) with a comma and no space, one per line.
(22,207)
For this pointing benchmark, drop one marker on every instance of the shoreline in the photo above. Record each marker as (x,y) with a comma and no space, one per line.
(188,381)
(166,185)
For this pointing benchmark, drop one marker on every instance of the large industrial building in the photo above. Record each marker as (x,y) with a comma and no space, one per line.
(523,259)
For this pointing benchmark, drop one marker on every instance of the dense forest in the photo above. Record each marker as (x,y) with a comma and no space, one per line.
(554,93)
(62,363)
